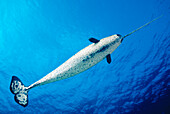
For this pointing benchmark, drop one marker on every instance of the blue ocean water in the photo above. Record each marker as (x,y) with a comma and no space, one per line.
(36,36)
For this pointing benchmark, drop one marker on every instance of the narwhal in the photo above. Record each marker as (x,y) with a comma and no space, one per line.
(81,61)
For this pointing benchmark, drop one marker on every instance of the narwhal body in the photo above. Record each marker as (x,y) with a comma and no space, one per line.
(81,61)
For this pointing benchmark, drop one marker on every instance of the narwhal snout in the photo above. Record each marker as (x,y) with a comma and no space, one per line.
(118,35)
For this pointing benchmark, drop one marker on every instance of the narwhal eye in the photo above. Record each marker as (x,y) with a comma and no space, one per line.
(118,35)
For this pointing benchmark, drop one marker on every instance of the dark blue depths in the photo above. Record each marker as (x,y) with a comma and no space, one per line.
(36,36)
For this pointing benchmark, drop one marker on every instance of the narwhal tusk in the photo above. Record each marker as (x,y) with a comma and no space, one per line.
(142,26)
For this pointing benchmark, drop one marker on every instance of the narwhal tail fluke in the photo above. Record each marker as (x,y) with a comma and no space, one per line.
(142,26)
(19,90)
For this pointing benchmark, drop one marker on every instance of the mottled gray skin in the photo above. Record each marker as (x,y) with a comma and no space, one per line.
(81,61)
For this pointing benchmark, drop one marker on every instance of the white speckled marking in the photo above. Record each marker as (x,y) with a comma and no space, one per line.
(16,86)
(81,61)
(22,98)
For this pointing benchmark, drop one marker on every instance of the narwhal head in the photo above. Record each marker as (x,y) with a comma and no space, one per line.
(109,44)
(111,40)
